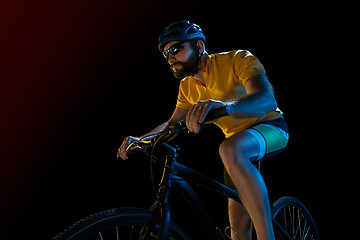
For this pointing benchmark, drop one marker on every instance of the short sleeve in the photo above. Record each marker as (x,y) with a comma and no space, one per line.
(182,101)
(246,66)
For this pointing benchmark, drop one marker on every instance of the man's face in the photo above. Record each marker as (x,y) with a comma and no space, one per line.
(183,63)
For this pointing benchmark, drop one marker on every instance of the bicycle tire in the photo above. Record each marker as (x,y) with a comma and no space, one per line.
(107,223)
(292,220)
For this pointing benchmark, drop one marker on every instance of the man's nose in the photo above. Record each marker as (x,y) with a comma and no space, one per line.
(171,59)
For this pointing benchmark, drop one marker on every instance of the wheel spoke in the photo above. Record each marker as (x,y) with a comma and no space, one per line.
(292,217)
(285,218)
(298,228)
(307,231)
(281,230)
(132,232)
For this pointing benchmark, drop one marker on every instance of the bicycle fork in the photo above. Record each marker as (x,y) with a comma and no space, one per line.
(161,206)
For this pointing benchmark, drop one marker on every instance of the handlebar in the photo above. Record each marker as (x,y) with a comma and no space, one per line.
(217,113)
(174,129)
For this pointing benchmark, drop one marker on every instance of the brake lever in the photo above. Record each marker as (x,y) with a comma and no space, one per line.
(132,148)
(136,146)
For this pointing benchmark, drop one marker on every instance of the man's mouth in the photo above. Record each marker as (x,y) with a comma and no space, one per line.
(175,66)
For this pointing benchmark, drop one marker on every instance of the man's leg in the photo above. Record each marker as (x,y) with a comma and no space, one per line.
(236,153)
(239,221)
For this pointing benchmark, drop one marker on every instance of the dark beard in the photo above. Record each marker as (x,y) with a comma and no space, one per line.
(188,68)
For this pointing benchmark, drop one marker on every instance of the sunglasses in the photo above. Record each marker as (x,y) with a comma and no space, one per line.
(174,49)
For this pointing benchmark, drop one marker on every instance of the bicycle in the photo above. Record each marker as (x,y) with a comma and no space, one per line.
(291,219)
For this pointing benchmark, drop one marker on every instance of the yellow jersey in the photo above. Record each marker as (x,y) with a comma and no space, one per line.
(225,77)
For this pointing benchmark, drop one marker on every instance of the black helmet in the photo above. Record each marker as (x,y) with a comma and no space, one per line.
(180,31)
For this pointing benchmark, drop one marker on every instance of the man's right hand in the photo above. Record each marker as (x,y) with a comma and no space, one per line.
(121,153)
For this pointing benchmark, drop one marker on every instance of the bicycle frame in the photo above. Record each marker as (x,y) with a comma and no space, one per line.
(291,218)
(178,176)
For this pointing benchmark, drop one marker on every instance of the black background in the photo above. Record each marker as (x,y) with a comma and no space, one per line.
(79,76)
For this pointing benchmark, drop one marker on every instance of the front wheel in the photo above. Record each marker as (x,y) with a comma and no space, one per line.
(119,224)
(292,220)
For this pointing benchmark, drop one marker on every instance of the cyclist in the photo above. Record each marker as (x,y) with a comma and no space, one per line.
(254,129)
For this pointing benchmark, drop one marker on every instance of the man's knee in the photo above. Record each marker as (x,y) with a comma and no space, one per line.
(232,151)
(225,149)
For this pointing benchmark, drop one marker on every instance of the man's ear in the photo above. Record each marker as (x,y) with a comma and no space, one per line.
(201,46)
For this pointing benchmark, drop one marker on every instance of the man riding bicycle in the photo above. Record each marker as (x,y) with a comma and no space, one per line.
(254,129)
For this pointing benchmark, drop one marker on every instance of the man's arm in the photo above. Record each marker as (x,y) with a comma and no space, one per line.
(178,114)
(260,100)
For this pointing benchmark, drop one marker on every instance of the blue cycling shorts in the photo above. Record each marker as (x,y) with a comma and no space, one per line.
(272,136)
